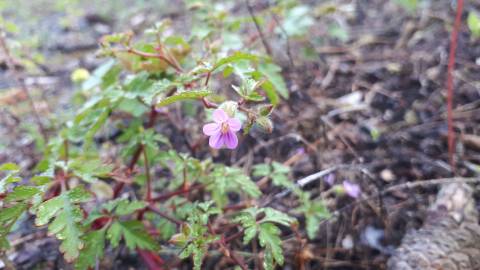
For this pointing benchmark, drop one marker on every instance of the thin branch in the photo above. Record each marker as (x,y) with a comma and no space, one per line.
(148,196)
(151,121)
(171,194)
(21,84)
(287,38)
(157,211)
(172,63)
(259,29)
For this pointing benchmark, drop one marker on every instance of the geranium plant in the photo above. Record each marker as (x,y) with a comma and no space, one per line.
(111,176)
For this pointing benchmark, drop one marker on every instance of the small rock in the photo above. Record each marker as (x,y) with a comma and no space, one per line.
(347,242)
(387,175)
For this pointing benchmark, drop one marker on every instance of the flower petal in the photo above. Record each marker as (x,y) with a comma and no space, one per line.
(234,124)
(230,139)
(219,116)
(352,189)
(216,140)
(211,129)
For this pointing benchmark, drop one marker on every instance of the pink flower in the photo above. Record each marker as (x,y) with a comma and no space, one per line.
(222,131)
(352,189)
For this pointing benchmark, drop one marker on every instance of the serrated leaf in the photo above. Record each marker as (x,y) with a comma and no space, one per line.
(272,73)
(261,170)
(236,57)
(11,214)
(8,217)
(21,193)
(134,234)
(67,217)
(315,212)
(280,168)
(230,179)
(281,180)
(249,234)
(269,238)
(186,95)
(93,250)
(126,208)
(272,215)
(96,125)
(89,168)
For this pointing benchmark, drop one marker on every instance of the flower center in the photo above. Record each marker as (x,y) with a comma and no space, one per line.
(224,128)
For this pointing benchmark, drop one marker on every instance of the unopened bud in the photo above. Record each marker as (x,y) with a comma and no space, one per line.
(79,75)
(265,123)
(265,110)
(230,107)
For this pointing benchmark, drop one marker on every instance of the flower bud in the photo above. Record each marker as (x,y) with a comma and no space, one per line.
(230,107)
(79,75)
(265,110)
(265,123)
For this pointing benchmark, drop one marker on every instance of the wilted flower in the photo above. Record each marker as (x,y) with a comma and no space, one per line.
(352,189)
(222,131)
(330,179)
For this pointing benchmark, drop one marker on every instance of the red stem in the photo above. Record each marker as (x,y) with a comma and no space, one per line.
(160,56)
(165,216)
(152,260)
(149,178)
(451,67)
(151,121)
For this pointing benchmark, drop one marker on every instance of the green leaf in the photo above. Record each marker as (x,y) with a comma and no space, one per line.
(92,251)
(106,73)
(126,208)
(67,217)
(261,170)
(297,21)
(7,180)
(96,125)
(9,167)
(473,22)
(8,217)
(11,214)
(21,193)
(280,168)
(236,57)
(408,5)
(134,234)
(10,177)
(315,212)
(269,238)
(248,90)
(40,180)
(272,215)
(186,95)
(272,73)
(230,179)
(89,168)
